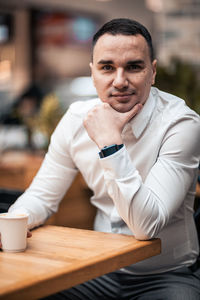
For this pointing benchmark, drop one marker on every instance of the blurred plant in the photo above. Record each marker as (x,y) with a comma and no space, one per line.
(46,119)
(182,80)
(49,115)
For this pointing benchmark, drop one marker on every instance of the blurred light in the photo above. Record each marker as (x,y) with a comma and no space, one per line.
(4,33)
(83,86)
(5,70)
(155,5)
(83,29)
(5,27)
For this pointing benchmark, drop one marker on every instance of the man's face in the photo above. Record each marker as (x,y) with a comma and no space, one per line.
(122,70)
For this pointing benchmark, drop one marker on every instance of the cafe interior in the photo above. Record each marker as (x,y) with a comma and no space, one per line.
(45,50)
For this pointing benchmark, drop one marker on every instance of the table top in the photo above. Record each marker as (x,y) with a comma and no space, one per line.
(58,258)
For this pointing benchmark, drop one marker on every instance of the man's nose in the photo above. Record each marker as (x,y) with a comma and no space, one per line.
(120,80)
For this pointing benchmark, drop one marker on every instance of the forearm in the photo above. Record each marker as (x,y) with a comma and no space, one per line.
(46,191)
(147,205)
(53,179)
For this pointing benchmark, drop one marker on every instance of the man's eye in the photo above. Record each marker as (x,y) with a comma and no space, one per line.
(107,67)
(133,67)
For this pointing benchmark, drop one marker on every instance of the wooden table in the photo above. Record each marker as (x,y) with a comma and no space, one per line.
(58,258)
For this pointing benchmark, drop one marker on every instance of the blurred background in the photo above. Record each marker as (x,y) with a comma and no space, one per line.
(45,50)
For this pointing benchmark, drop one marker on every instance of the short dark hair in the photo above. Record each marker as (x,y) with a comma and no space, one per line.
(125,26)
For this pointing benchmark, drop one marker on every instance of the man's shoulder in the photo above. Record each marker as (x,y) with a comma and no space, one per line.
(174,106)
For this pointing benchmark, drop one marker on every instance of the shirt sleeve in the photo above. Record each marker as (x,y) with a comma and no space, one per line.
(147,206)
(53,179)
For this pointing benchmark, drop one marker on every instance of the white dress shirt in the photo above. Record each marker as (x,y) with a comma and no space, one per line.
(146,188)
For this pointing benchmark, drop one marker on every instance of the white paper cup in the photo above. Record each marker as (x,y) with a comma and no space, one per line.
(13,229)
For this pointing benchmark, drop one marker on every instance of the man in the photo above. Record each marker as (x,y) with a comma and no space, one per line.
(144,179)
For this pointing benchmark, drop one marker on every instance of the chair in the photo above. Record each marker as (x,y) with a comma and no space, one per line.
(197,206)
(7,198)
(197,221)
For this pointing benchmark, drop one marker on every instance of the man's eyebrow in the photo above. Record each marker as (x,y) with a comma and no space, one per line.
(135,62)
(105,62)
(130,62)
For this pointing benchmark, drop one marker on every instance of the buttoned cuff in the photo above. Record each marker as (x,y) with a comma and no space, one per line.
(117,165)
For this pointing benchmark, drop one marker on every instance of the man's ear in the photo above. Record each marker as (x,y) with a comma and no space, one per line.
(154,66)
(91,68)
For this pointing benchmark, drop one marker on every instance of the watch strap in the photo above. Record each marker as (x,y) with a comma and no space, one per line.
(109,150)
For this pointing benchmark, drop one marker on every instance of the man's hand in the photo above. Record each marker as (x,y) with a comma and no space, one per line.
(104,124)
(29,234)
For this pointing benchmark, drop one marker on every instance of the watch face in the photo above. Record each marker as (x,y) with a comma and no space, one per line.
(109,150)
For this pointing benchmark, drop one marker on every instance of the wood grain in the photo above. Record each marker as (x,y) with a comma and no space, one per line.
(58,258)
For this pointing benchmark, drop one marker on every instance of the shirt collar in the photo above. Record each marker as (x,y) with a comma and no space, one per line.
(140,122)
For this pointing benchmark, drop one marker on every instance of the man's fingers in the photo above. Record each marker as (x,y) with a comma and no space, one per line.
(29,234)
(134,111)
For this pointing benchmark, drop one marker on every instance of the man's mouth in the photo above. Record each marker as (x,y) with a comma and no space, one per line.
(122,96)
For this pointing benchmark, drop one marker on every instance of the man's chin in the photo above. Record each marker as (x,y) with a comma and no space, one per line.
(122,108)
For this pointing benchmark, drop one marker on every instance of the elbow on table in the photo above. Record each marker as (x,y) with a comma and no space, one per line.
(143,237)
(147,228)
(146,233)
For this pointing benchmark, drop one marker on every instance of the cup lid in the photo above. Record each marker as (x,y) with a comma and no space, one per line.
(13,215)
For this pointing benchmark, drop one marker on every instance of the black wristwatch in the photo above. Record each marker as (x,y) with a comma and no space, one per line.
(108,150)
